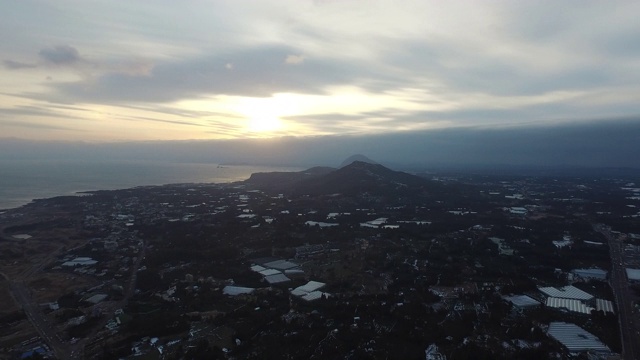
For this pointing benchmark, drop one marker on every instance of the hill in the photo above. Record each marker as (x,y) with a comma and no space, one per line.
(356,178)
(358,157)
(282,181)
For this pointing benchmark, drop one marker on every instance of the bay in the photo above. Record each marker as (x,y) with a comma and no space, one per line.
(25,180)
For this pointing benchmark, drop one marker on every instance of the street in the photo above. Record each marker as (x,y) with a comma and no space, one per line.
(48,332)
(620,287)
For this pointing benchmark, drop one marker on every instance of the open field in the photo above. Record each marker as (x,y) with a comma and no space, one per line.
(48,287)
(8,304)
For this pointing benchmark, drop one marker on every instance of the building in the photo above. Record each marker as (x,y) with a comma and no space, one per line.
(269,272)
(597,274)
(309,291)
(568,292)
(80,261)
(280,265)
(569,305)
(604,305)
(276,278)
(633,274)
(236,290)
(575,339)
(97,298)
(522,302)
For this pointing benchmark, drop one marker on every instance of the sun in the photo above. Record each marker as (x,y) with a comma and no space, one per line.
(263,115)
(261,123)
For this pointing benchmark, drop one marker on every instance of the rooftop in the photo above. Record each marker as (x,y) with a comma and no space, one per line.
(633,274)
(567,292)
(276,278)
(236,290)
(575,338)
(522,301)
(569,304)
(307,289)
(281,265)
(604,305)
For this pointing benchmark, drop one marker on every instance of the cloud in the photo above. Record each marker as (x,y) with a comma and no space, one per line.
(294,59)
(409,66)
(257,72)
(130,67)
(39,111)
(60,55)
(31,125)
(15,65)
(182,112)
(599,143)
(133,118)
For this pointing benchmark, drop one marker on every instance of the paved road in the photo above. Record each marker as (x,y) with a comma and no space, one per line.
(620,287)
(80,346)
(47,331)
(39,321)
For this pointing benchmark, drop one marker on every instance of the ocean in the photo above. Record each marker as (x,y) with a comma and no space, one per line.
(25,180)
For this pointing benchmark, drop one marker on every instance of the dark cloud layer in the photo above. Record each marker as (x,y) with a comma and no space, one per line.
(15,65)
(258,72)
(606,143)
(60,55)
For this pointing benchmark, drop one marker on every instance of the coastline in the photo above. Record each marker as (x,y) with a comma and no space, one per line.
(27,181)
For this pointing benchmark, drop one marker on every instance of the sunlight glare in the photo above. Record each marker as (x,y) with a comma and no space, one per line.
(263,115)
(264,123)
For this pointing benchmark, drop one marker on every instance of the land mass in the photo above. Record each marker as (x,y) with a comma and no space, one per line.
(356,262)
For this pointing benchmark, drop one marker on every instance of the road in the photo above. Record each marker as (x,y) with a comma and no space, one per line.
(79,351)
(620,287)
(46,330)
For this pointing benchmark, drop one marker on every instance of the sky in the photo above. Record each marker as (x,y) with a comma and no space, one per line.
(561,148)
(105,71)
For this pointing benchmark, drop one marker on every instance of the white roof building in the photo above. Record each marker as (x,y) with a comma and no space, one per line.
(311,286)
(96,298)
(80,261)
(297,292)
(567,292)
(320,223)
(276,278)
(522,301)
(269,272)
(590,273)
(281,265)
(309,291)
(569,304)
(604,305)
(633,274)
(294,272)
(236,290)
(575,338)
(314,295)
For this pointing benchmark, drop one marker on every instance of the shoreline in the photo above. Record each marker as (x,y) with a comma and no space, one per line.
(30,181)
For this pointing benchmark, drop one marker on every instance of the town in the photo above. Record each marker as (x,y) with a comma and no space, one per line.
(360,262)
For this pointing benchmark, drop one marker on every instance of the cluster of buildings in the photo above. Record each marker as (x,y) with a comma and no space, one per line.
(391,264)
(277,272)
(573,300)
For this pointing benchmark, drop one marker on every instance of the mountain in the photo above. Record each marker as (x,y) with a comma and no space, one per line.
(361,177)
(356,157)
(356,178)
